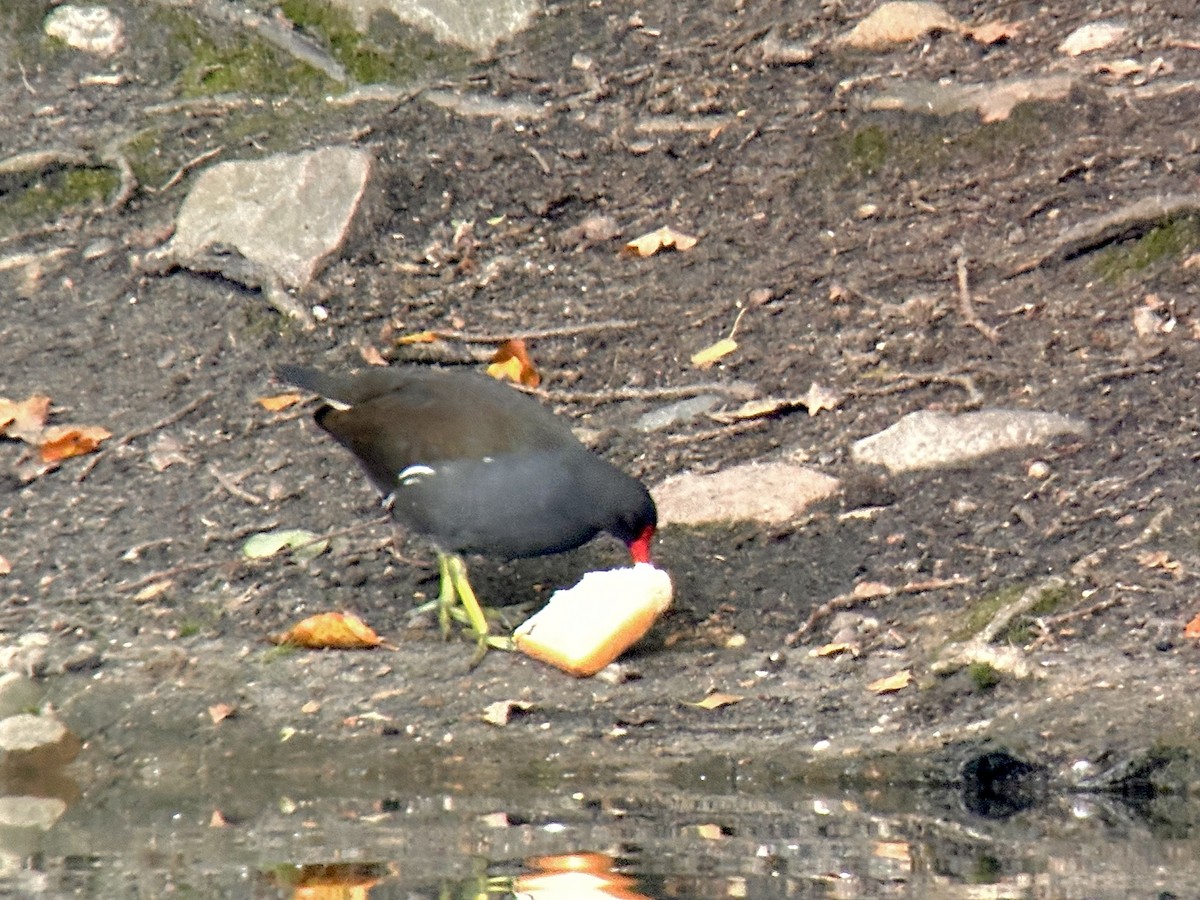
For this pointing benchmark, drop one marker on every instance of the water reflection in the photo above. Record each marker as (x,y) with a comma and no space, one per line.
(367,835)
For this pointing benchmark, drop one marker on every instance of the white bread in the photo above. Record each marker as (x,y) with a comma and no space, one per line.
(583,629)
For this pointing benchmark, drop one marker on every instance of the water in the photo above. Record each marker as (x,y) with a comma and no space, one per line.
(419,827)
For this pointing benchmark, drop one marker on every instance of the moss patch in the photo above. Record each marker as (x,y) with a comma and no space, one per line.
(1170,240)
(53,193)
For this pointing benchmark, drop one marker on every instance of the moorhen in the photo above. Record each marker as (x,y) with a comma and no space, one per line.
(477,467)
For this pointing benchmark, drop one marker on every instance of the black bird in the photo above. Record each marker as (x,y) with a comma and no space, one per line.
(477,467)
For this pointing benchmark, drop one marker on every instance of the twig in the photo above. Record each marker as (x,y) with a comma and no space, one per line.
(537,334)
(182,171)
(845,601)
(966,307)
(709,434)
(130,436)
(907,380)
(129,183)
(617,395)
(230,484)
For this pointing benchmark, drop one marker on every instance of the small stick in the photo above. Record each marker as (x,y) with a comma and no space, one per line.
(233,487)
(182,171)
(130,436)
(845,601)
(618,394)
(535,335)
(966,306)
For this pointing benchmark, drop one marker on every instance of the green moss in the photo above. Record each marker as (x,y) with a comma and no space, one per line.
(52,193)
(983,676)
(249,67)
(391,52)
(1019,631)
(1170,240)
(868,150)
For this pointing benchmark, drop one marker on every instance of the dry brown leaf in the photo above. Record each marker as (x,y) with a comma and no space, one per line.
(511,362)
(1118,69)
(311,708)
(993,32)
(710,355)
(892,683)
(152,591)
(279,401)
(330,631)
(818,398)
(371,356)
(5,566)
(660,239)
(898,23)
(900,851)
(219,712)
(710,832)
(867,590)
(501,712)
(716,700)
(24,419)
(217,820)
(65,441)
(1158,559)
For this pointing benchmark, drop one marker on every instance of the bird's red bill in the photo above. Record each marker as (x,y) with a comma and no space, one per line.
(639,548)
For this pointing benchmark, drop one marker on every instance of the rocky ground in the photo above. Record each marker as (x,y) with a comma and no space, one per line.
(900,260)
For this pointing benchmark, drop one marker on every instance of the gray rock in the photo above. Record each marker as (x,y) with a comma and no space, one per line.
(476,24)
(30,741)
(927,439)
(95,29)
(676,413)
(18,694)
(287,214)
(764,492)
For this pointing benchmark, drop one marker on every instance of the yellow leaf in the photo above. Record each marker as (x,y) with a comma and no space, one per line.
(330,631)
(703,359)
(417,337)
(835,649)
(892,683)
(279,401)
(716,700)
(660,239)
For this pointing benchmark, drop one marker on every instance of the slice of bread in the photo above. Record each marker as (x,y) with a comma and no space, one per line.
(583,629)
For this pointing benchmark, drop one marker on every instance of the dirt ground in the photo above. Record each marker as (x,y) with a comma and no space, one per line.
(831,234)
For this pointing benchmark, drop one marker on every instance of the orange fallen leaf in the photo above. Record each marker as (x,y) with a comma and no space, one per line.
(330,631)
(716,700)
(24,419)
(1192,628)
(511,362)
(279,401)
(219,712)
(660,239)
(892,683)
(710,355)
(65,441)
(5,565)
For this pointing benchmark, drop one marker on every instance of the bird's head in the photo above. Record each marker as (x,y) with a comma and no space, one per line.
(635,525)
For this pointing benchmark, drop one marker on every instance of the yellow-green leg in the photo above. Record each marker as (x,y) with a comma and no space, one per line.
(456,600)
